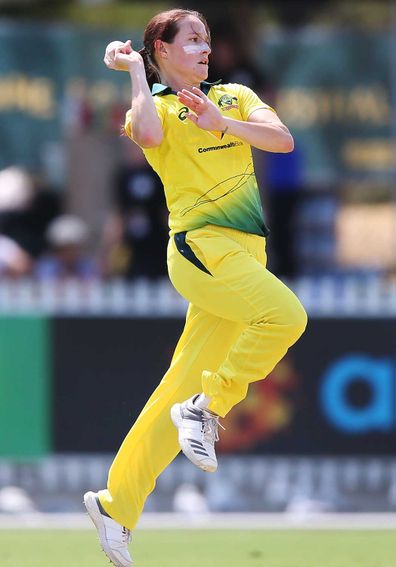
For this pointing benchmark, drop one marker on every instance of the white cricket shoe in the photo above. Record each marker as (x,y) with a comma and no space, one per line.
(113,537)
(198,432)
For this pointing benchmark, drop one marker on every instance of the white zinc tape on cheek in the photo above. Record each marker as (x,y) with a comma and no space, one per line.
(196,48)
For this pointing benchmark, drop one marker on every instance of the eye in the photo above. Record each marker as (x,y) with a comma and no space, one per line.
(194,39)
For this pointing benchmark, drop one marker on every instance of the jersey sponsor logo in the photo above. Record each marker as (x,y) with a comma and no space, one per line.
(223,147)
(182,113)
(226,102)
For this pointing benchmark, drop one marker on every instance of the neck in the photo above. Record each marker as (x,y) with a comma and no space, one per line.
(177,83)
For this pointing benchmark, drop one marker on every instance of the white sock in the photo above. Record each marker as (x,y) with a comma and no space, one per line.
(202,402)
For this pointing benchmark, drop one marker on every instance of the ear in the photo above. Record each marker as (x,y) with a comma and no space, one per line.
(160,48)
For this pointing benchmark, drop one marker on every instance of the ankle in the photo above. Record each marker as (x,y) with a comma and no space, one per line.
(202,402)
(102,510)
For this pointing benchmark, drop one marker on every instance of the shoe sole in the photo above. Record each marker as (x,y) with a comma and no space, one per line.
(177,422)
(94,513)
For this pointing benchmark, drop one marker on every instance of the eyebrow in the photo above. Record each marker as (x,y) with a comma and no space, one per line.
(205,37)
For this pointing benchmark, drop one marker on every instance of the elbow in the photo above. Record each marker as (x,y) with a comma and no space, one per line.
(149,139)
(287,145)
(150,143)
(148,135)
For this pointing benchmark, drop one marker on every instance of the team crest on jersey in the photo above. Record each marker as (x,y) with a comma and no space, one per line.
(226,102)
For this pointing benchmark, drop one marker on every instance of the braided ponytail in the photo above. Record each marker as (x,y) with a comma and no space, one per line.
(152,73)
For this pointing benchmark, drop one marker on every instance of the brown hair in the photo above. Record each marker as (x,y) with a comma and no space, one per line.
(163,26)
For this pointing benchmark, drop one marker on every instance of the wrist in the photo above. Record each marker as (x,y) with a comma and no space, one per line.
(224,126)
(135,67)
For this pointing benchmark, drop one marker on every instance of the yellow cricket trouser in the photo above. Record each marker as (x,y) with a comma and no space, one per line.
(240,322)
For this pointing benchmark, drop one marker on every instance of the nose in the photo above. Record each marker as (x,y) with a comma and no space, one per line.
(206,49)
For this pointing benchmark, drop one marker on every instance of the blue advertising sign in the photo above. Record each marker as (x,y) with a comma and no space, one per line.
(333,394)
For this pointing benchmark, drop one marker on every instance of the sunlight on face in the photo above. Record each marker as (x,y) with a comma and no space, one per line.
(188,55)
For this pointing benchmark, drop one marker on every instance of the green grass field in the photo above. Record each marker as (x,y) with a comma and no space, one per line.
(215,548)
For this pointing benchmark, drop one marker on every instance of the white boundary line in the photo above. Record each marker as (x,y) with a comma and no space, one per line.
(165,521)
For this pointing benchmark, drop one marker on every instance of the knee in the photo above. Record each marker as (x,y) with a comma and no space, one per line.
(295,319)
(288,319)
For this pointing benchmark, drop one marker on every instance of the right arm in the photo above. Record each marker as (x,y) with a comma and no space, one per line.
(146,128)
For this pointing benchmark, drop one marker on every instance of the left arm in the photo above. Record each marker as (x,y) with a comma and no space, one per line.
(263,129)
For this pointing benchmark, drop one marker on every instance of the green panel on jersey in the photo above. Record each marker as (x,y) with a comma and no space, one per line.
(24,387)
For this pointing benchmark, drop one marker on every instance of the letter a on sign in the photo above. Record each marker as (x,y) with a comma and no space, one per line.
(377,415)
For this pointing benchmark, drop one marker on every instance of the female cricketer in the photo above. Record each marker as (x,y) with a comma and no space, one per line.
(241,319)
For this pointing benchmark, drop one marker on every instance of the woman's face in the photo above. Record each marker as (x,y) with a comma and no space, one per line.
(188,54)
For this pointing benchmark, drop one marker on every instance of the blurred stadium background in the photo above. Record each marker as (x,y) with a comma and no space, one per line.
(84,297)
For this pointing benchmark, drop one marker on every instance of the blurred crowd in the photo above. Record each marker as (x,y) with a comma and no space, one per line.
(39,239)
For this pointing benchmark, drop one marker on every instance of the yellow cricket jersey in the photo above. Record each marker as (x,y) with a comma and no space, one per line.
(208,178)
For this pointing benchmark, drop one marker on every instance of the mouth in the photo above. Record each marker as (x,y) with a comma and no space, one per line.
(203,62)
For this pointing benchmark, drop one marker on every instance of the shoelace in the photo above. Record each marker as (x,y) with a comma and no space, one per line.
(126,535)
(210,427)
